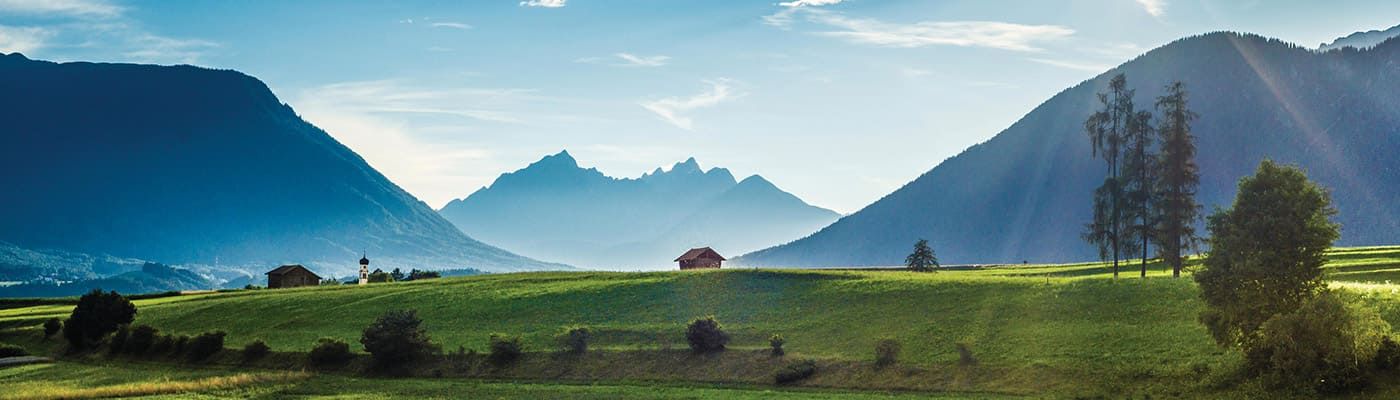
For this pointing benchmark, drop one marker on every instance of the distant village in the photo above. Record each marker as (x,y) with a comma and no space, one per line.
(297,275)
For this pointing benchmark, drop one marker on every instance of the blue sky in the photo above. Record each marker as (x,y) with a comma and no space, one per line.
(839,102)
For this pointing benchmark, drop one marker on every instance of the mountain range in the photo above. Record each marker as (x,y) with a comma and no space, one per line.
(554,209)
(1024,195)
(1361,40)
(184,165)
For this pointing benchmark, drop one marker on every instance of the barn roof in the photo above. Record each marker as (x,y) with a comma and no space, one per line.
(283,270)
(700,252)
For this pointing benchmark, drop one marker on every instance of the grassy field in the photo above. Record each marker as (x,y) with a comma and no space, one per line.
(1035,329)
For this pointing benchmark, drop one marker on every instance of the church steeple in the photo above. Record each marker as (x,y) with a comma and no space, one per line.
(364,269)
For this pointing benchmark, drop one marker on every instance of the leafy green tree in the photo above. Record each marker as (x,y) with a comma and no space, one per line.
(705,335)
(1266,253)
(1108,131)
(398,275)
(1328,342)
(922,259)
(379,276)
(1177,179)
(51,327)
(395,338)
(97,315)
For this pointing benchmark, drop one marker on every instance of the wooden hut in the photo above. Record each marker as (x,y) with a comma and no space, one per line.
(699,258)
(294,275)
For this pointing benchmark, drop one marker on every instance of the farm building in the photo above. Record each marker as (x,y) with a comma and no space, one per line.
(699,258)
(288,276)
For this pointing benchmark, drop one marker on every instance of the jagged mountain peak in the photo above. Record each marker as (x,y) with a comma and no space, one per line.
(1361,40)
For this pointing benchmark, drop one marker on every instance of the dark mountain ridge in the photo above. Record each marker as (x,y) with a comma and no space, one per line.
(1025,193)
(187,165)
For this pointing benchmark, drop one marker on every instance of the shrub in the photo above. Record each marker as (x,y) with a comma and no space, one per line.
(795,371)
(141,339)
(1388,354)
(1326,343)
(886,352)
(10,350)
(395,338)
(255,350)
(329,352)
(965,357)
(205,345)
(775,342)
(96,316)
(575,340)
(705,335)
(118,342)
(163,345)
(181,343)
(504,349)
(51,327)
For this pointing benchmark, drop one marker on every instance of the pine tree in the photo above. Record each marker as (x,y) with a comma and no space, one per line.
(1138,185)
(1178,178)
(1108,130)
(922,259)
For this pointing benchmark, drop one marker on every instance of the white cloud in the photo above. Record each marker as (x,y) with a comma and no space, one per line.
(1154,7)
(15,39)
(1082,66)
(809,3)
(543,3)
(76,8)
(643,61)
(451,25)
(149,48)
(990,34)
(398,97)
(675,110)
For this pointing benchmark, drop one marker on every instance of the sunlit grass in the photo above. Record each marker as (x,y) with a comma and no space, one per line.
(77,381)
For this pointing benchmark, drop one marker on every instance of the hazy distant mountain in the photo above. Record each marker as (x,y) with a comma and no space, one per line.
(1025,194)
(186,165)
(1361,40)
(553,209)
(150,278)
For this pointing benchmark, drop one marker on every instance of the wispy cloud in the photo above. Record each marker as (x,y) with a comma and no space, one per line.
(627,60)
(543,3)
(643,61)
(809,3)
(149,48)
(676,110)
(22,39)
(1154,7)
(1075,65)
(451,25)
(77,8)
(989,34)
(394,96)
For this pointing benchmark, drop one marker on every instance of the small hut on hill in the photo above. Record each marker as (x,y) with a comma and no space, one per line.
(700,258)
(294,275)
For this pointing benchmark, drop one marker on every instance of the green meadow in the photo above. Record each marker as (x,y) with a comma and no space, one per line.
(1038,330)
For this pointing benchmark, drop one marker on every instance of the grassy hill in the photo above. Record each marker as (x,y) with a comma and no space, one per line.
(1035,329)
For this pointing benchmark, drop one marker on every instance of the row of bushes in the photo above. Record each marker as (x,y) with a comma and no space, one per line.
(147,340)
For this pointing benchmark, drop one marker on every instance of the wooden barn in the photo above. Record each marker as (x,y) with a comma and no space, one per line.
(700,258)
(288,276)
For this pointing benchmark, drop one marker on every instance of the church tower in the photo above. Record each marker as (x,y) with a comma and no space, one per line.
(364,270)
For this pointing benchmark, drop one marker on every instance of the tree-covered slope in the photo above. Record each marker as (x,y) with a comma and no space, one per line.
(186,165)
(1025,194)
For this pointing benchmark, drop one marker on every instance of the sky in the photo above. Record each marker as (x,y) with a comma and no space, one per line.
(837,101)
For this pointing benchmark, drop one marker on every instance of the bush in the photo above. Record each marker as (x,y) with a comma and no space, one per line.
(164,344)
(775,342)
(51,327)
(504,349)
(10,350)
(1327,343)
(181,343)
(1388,354)
(329,352)
(205,345)
(705,335)
(118,342)
(795,371)
(141,339)
(96,316)
(575,340)
(255,350)
(886,352)
(965,357)
(395,338)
